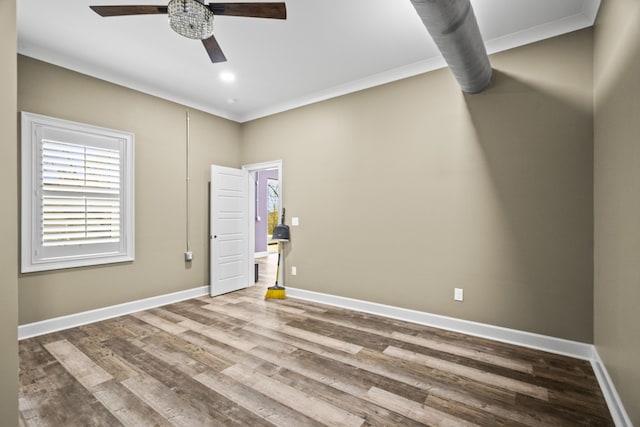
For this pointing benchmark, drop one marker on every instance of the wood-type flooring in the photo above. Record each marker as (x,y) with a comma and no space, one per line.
(240,360)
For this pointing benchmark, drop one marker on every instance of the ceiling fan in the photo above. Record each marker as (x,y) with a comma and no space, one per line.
(194,18)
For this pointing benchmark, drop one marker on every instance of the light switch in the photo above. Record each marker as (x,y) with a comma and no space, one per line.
(295,221)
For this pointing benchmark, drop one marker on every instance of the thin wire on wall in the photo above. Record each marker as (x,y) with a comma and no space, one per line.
(188,177)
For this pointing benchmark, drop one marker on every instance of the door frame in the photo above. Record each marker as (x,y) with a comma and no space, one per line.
(252,168)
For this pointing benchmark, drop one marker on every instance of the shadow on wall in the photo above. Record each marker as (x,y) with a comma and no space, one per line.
(616,59)
(538,149)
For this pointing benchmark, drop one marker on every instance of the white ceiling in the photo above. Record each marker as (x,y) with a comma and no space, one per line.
(325,48)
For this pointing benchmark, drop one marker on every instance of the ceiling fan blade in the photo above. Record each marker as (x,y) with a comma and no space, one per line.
(128,10)
(213,49)
(251,10)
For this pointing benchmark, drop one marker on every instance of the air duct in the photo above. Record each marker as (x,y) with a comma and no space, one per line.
(453,27)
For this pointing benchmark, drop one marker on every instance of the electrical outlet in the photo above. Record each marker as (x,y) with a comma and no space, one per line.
(295,221)
(188,256)
(458,294)
(294,270)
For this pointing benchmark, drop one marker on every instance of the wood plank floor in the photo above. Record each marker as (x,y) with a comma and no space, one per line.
(240,360)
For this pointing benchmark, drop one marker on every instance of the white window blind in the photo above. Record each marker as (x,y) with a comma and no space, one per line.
(77,198)
(81,194)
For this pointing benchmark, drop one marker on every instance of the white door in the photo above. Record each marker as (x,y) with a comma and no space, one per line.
(229,230)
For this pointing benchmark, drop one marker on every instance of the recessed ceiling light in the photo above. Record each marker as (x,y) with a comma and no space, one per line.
(227,77)
(232,100)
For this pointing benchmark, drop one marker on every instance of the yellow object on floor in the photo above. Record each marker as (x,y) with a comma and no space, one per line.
(275,292)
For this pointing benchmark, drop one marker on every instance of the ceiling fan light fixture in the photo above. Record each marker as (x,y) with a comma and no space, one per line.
(190,18)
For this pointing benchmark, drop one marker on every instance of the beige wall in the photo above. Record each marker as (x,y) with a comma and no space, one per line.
(160,138)
(408,190)
(8,218)
(404,192)
(617,196)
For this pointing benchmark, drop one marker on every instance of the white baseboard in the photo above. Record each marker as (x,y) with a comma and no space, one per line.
(555,345)
(512,336)
(526,339)
(78,319)
(618,413)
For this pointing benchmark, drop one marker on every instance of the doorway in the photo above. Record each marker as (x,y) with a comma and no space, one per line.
(266,210)
(267,205)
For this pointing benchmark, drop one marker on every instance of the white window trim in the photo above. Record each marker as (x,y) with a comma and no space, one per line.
(30,194)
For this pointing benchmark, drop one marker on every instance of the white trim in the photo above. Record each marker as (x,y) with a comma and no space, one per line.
(526,339)
(512,336)
(261,254)
(274,164)
(78,319)
(550,344)
(618,413)
(406,71)
(31,180)
(590,10)
(539,33)
(252,168)
(82,66)
(510,41)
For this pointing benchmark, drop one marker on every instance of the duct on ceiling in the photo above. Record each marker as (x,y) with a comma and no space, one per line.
(453,27)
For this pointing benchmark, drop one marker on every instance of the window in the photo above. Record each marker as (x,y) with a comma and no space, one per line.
(77,194)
